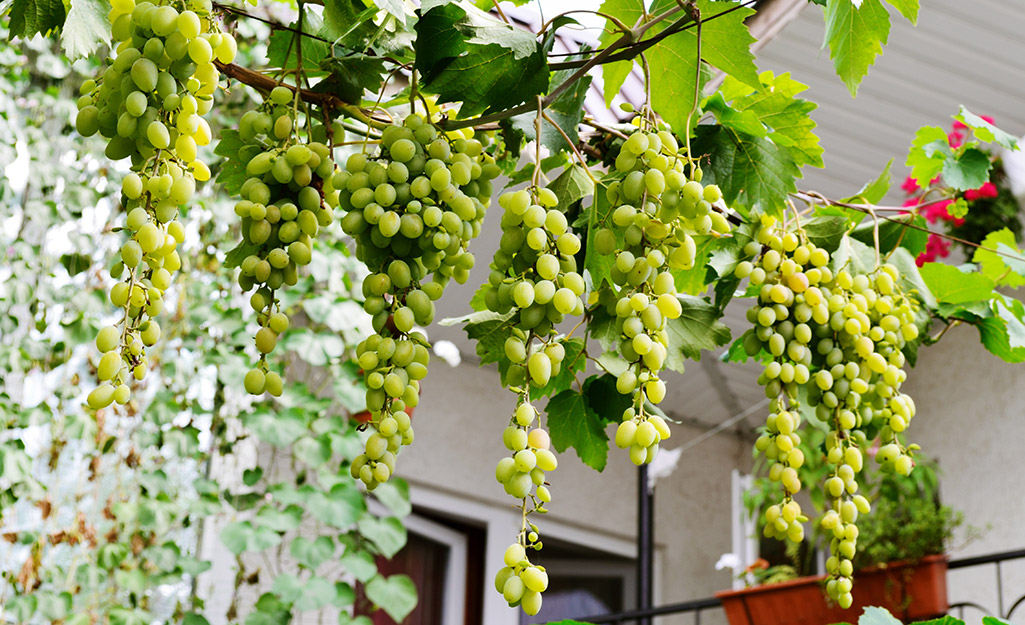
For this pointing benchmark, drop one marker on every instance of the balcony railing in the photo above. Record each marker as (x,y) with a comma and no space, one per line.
(699,606)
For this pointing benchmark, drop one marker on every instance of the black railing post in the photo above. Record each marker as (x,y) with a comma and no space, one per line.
(645,543)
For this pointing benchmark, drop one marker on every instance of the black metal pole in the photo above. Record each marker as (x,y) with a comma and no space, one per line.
(645,543)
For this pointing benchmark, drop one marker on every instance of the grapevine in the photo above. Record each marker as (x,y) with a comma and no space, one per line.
(631,245)
(149,104)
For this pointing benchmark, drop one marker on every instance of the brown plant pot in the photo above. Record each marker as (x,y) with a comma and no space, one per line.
(909,591)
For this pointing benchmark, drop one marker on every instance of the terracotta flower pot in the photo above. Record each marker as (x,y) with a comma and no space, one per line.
(909,591)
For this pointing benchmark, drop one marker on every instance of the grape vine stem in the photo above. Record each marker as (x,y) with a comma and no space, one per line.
(813,197)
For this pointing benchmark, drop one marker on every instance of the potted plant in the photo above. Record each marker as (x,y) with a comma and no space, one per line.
(900,563)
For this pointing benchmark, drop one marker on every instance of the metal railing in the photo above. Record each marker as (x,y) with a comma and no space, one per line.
(697,606)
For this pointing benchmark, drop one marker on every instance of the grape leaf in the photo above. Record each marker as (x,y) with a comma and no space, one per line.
(743,121)
(346,22)
(985,131)
(856,36)
(615,74)
(929,150)
(877,616)
(953,286)
(349,76)
(907,8)
(698,328)
(826,232)
(465,55)
(388,534)
(571,186)
(600,216)
(694,281)
(86,28)
(396,595)
(751,171)
(969,170)
(604,399)
(573,363)
(281,52)
(233,171)
(312,552)
(726,40)
(776,106)
(1003,270)
(28,17)
(894,231)
(572,423)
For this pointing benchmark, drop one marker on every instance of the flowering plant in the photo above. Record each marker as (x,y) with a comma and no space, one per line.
(968,215)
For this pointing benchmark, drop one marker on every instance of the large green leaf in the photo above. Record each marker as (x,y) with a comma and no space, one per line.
(599,215)
(929,150)
(86,28)
(28,17)
(856,36)
(396,595)
(985,131)
(907,8)
(698,328)
(968,170)
(1007,268)
(572,423)
(465,55)
(776,105)
(388,534)
(349,76)
(566,111)
(953,286)
(893,232)
(877,616)
(615,74)
(751,171)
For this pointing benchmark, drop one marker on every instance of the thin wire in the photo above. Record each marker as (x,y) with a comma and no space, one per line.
(722,426)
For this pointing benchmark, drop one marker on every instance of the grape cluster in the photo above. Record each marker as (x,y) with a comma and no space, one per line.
(656,211)
(520,582)
(534,281)
(412,210)
(285,200)
(149,104)
(839,335)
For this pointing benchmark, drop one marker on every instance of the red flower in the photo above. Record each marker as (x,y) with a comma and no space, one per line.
(911,201)
(955,139)
(910,185)
(988,190)
(972,194)
(937,210)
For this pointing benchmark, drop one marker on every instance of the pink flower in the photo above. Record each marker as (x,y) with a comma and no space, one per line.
(955,139)
(972,194)
(987,118)
(937,210)
(988,190)
(958,126)
(910,185)
(911,201)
